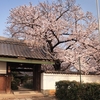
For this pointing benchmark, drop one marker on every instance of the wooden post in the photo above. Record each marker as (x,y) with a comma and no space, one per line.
(37,77)
(8,83)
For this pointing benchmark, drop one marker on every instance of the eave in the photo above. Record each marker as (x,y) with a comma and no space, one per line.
(30,61)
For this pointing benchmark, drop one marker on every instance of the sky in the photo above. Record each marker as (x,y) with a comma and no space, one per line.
(6,5)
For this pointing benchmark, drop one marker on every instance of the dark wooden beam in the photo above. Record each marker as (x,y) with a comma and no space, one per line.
(22,70)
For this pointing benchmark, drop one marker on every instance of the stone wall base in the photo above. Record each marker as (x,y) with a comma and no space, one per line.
(48,92)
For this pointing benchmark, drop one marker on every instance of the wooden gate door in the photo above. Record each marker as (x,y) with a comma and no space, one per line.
(2,83)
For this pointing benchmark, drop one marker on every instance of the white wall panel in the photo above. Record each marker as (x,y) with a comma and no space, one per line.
(48,80)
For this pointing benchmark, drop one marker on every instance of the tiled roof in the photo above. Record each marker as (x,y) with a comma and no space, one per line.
(12,48)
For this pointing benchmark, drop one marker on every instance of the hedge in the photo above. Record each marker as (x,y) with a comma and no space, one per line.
(66,90)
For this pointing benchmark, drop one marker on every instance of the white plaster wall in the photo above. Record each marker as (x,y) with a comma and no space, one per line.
(2,67)
(48,80)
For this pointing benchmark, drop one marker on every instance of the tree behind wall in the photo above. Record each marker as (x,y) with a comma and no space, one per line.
(61,26)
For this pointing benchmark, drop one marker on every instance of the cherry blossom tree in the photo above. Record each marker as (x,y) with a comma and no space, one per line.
(61,26)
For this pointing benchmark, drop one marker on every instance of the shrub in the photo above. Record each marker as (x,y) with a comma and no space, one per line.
(92,91)
(28,85)
(17,80)
(14,85)
(66,90)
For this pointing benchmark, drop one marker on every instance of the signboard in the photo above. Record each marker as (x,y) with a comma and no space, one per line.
(3,68)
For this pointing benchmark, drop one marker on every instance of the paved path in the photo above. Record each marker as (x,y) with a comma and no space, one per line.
(29,98)
(25,97)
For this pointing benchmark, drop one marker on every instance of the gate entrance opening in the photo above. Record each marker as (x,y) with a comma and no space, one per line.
(25,76)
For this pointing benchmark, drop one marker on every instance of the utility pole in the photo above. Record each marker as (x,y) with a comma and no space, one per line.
(98,15)
(80,71)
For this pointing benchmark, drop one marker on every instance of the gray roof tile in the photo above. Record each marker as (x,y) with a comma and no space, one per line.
(21,49)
